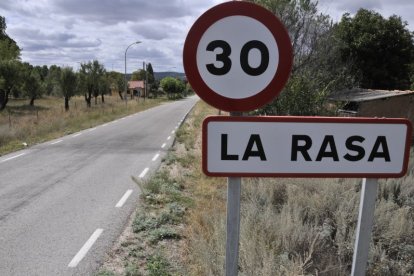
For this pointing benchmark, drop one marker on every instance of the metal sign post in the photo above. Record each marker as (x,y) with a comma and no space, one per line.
(364,228)
(233,225)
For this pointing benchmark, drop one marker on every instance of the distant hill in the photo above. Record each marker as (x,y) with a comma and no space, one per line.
(161,75)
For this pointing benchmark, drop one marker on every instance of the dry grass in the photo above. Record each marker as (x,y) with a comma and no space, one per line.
(21,123)
(299,226)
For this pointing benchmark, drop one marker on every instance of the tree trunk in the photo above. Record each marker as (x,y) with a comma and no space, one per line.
(88,99)
(32,101)
(4,98)
(96,99)
(120,95)
(103,98)
(67,103)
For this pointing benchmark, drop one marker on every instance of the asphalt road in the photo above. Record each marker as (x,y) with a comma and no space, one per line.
(63,203)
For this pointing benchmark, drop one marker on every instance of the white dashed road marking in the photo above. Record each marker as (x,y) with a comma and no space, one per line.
(124,198)
(85,248)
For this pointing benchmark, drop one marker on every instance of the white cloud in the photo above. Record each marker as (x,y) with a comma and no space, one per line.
(68,32)
(402,8)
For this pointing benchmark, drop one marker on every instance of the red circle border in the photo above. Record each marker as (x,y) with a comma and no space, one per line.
(280,35)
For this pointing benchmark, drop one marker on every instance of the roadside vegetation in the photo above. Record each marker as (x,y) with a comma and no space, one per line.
(288,226)
(22,125)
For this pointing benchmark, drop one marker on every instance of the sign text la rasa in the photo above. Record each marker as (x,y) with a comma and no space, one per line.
(305,146)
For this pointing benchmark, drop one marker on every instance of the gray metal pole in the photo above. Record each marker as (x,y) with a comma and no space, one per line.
(125,77)
(233,225)
(233,221)
(364,228)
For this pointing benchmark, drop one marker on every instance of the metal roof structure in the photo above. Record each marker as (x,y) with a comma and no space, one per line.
(363,95)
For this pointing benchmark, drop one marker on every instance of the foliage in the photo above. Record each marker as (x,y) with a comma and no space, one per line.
(316,71)
(68,84)
(382,50)
(9,75)
(158,266)
(8,47)
(173,87)
(116,82)
(91,76)
(9,56)
(31,84)
(52,86)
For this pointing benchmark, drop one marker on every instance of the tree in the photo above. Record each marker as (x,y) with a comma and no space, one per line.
(68,83)
(382,50)
(104,86)
(172,86)
(8,47)
(9,76)
(316,68)
(52,86)
(138,75)
(90,76)
(117,82)
(9,65)
(30,80)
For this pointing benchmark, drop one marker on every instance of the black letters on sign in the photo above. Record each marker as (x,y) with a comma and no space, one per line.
(302,149)
(244,58)
(254,140)
(375,153)
(223,57)
(224,154)
(350,144)
(323,151)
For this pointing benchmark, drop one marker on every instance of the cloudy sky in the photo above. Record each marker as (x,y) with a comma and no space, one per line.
(68,32)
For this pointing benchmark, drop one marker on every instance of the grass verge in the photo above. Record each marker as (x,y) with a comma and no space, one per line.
(22,125)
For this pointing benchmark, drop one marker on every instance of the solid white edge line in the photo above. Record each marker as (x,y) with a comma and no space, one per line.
(76,135)
(57,142)
(163,145)
(123,199)
(144,172)
(92,129)
(10,158)
(155,157)
(85,248)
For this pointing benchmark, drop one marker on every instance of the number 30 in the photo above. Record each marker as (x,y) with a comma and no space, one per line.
(224,57)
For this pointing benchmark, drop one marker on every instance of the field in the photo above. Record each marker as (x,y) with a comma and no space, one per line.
(288,226)
(22,125)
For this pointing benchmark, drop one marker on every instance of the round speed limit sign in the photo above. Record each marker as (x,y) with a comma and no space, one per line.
(237,56)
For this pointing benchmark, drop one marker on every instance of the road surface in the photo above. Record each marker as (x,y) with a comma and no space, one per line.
(63,203)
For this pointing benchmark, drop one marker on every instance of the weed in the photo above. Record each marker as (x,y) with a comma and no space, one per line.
(163,233)
(144,222)
(157,265)
(132,270)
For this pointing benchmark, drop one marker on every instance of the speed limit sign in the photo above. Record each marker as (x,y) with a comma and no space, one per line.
(237,56)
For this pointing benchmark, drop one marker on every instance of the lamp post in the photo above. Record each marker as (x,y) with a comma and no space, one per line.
(126,83)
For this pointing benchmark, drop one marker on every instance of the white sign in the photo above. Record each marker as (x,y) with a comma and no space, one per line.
(305,146)
(237,56)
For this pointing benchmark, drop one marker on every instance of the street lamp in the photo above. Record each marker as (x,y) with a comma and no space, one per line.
(126,83)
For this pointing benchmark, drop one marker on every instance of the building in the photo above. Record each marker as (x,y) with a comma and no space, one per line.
(136,88)
(360,102)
